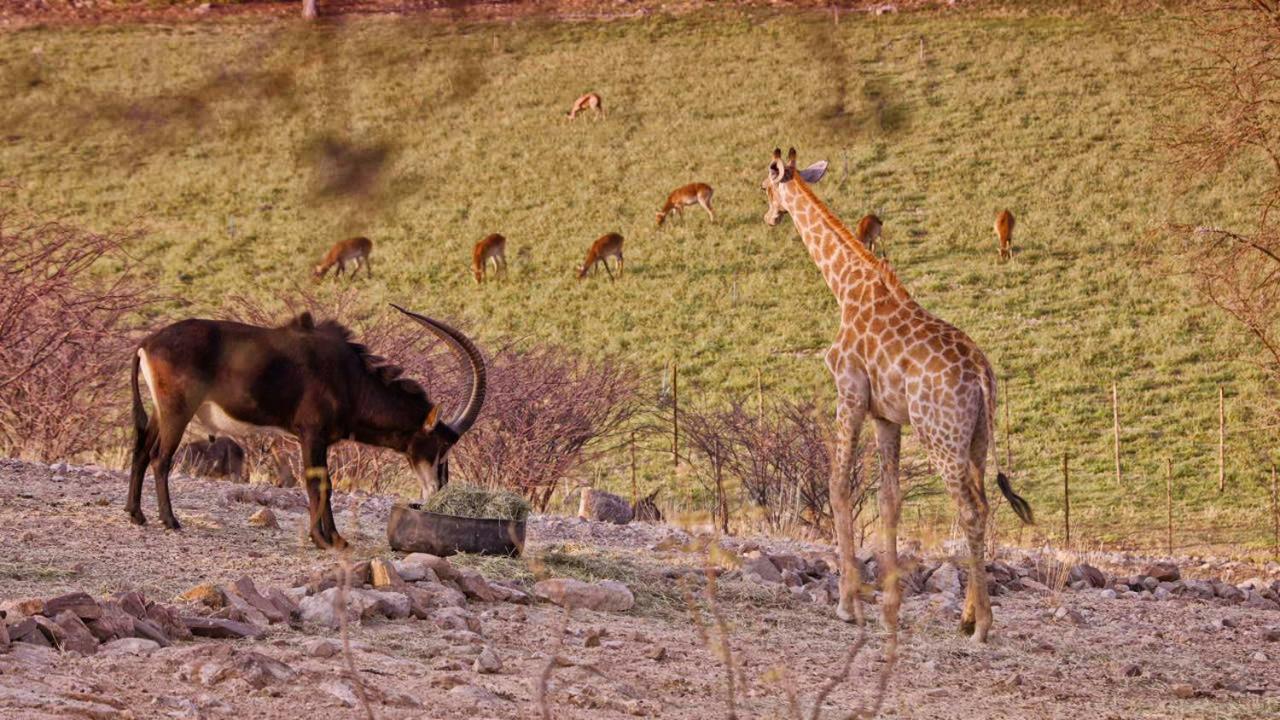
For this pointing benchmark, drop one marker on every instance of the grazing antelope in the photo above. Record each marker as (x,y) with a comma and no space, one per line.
(355,251)
(646,510)
(590,101)
(868,231)
(1004,233)
(606,246)
(693,193)
(491,247)
(896,363)
(303,380)
(215,457)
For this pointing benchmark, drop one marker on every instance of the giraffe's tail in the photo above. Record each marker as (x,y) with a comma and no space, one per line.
(1020,506)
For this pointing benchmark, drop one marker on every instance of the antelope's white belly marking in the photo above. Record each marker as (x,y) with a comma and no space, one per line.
(219,422)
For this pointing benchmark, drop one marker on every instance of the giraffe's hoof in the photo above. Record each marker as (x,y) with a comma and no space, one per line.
(847,616)
(967,627)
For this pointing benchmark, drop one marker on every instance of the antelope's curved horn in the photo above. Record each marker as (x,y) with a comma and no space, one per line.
(469,352)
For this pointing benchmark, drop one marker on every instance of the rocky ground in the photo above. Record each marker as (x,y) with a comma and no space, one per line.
(234,617)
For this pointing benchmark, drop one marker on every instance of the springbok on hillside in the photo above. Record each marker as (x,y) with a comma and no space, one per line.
(606,246)
(490,247)
(691,194)
(355,251)
(868,231)
(1004,233)
(590,101)
(215,457)
(302,380)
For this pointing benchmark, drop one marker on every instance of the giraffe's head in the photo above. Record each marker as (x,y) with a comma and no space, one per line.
(777,185)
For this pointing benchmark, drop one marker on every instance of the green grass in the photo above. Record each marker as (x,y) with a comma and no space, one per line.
(1052,117)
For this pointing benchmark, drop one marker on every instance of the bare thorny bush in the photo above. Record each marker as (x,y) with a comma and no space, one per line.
(1234,88)
(65,338)
(780,457)
(547,411)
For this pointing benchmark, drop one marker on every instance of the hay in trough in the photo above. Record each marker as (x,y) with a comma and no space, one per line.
(477,502)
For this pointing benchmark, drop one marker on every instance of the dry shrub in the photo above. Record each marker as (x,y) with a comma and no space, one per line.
(65,338)
(548,413)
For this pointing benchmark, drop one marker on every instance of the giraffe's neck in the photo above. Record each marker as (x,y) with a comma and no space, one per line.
(849,269)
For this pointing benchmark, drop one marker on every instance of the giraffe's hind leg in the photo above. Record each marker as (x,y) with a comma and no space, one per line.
(964,482)
(889,440)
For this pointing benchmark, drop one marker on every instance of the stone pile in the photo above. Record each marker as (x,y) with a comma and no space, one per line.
(419,586)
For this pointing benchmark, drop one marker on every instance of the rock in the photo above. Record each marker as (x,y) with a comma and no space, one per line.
(246,612)
(115,623)
(510,594)
(593,637)
(206,594)
(487,662)
(225,629)
(1132,670)
(50,629)
(84,607)
(245,588)
(78,637)
(1182,690)
(133,603)
(282,602)
(787,562)
(1271,634)
(264,518)
(758,568)
(1107,594)
(1163,572)
(1034,585)
(343,690)
(1150,583)
(793,579)
(1230,593)
(391,605)
(384,574)
(473,696)
(321,648)
(455,618)
(1255,600)
(605,595)
(438,565)
(169,622)
(213,664)
(4,636)
(945,578)
(426,598)
(33,654)
(1259,657)
(1202,589)
(474,586)
(413,572)
(321,609)
(129,646)
(27,631)
(658,653)
(1088,574)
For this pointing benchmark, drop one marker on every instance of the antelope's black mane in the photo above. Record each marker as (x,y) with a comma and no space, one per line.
(387,373)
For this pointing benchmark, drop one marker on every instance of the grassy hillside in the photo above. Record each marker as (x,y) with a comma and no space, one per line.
(223,139)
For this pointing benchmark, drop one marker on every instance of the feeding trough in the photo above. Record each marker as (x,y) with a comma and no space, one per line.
(412,529)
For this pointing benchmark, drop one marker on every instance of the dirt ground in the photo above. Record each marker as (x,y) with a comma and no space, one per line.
(65,530)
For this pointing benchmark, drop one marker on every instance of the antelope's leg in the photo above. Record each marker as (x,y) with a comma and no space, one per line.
(170,437)
(144,447)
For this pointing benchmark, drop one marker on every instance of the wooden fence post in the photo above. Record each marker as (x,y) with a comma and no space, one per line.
(635,494)
(1008,432)
(675,414)
(1222,441)
(1168,506)
(1115,415)
(759,396)
(1275,511)
(1066,497)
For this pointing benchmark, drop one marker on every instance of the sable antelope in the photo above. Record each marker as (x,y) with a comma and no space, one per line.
(215,457)
(646,510)
(693,193)
(606,246)
(868,231)
(603,506)
(590,101)
(304,380)
(1004,233)
(491,247)
(355,251)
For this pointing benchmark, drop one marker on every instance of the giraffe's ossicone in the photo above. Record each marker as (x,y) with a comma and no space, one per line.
(896,363)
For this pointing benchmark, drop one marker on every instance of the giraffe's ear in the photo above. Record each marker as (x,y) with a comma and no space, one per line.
(814,172)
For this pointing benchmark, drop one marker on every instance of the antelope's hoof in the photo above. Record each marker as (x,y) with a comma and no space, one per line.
(137,518)
(172,523)
(338,543)
(846,616)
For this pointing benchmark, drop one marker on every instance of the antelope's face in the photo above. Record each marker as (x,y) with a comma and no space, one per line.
(661,216)
(317,272)
(778,187)
(478,273)
(429,456)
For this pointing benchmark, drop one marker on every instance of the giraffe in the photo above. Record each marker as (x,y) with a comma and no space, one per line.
(897,363)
